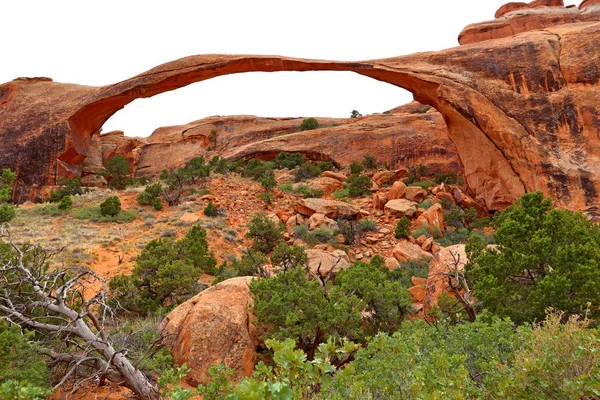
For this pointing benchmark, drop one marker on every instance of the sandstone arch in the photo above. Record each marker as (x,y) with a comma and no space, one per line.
(522,111)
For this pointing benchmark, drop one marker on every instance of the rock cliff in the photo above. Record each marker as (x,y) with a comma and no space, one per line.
(522,110)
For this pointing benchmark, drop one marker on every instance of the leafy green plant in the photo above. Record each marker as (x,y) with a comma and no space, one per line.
(356,168)
(341,194)
(543,257)
(65,204)
(359,185)
(367,225)
(210,210)
(116,169)
(306,171)
(151,196)
(402,229)
(288,160)
(426,204)
(68,187)
(309,124)
(110,207)
(265,233)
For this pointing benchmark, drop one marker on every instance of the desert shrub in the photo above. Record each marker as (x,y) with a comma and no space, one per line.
(256,168)
(266,197)
(287,257)
(210,210)
(341,194)
(196,169)
(110,207)
(92,213)
(65,204)
(265,233)
(267,179)
(416,172)
(322,235)
(309,124)
(410,268)
(7,180)
(301,231)
(367,225)
(359,185)
(543,258)
(426,204)
(307,192)
(288,160)
(251,264)
(116,169)
(448,178)
(454,237)
(21,362)
(166,274)
(422,184)
(356,168)
(68,187)
(306,171)
(348,229)
(326,166)
(402,229)
(286,187)
(151,195)
(370,162)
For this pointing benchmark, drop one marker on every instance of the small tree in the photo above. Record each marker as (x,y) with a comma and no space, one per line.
(116,169)
(151,195)
(356,168)
(196,169)
(210,210)
(267,180)
(355,114)
(287,257)
(264,232)
(110,207)
(176,181)
(402,230)
(66,203)
(309,124)
(359,185)
(7,180)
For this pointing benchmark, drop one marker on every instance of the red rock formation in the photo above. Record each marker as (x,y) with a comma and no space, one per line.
(523,111)
(514,18)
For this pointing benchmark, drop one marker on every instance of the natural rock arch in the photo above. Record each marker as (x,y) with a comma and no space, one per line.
(522,111)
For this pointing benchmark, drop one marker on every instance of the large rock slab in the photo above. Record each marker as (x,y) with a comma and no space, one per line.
(323,261)
(330,208)
(211,328)
(401,208)
(406,250)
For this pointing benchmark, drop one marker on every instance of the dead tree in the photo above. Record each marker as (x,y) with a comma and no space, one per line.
(53,302)
(460,287)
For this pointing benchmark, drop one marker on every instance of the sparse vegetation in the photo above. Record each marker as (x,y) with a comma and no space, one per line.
(402,229)
(110,207)
(211,210)
(7,211)
(265,233)
(116,171)
(359,185)
(309,124)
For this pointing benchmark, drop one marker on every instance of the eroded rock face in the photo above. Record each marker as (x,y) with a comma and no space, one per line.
(523,111)
(211,328)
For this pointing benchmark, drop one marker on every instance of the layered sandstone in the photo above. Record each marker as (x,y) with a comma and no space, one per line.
(522,111)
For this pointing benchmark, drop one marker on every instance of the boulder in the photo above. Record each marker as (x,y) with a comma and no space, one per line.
(511,7)
(397,191)
(401,208)
(391,263)
(189,217)
(318,220)
(330,208)
(379,201)
(406,250)
(292,222)
(327,261)
(213,327)
(325,184)
(415,193)
(384,177)
(335,175)
(433,218)
(443,263)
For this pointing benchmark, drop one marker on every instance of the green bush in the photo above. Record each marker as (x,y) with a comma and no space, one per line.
(264,233)
(7,212)
(414,267)
(416,172)
(356,168)
(543,258)
(288,160)
(367,225)
(341,194)
(322,235)
(116,169)
(210,210)
(110,207)
(150,195)
(69,187)
(267,179)
(287,257)
(307,192)
(402,229)
(426,204)
(286,188)
(448,178)
(306,171)
(309,124)
(422,184)
(65,204)
(251,264)
(166,273)
(359,185)
(370,162)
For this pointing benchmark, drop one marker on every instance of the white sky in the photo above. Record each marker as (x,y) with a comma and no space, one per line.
(103,42)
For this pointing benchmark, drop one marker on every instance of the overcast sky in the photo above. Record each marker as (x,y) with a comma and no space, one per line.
(103,42)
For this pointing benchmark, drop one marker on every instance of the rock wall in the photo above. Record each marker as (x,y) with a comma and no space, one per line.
(523,110)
